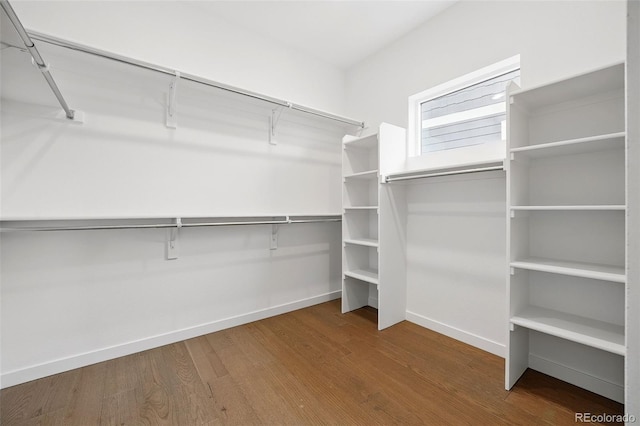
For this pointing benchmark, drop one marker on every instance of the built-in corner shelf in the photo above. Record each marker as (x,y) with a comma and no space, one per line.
(575,269)
(598,334)
(367,242)
(573,146)
(367,275)
(365,234)
(567,198)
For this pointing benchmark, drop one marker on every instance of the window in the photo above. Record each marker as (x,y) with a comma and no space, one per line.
(463,113)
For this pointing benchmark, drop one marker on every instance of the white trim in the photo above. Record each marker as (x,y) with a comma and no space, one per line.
(15,377)
(480,342)
(578,378)
(413,130)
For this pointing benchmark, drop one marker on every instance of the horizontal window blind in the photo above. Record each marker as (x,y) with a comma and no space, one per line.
(470,116)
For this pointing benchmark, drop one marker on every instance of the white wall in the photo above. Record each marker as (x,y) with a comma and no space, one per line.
(73,298)
(555,40)
(183,36)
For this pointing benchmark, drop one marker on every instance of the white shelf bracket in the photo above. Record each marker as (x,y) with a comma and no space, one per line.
(512,271)
(172,122)
(512,326)
(274,237)
(513,214)
(273,122)
(172,240)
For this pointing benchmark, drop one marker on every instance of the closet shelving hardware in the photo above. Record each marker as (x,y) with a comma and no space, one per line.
(45,38)
(39,61)
(106,224)
(597,334)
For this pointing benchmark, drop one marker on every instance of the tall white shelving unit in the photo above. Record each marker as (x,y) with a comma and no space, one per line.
(373,262)
(566,232)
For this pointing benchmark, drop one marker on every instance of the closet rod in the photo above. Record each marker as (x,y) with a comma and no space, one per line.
(186,76)
(37,58)
(284,221)
(389,179)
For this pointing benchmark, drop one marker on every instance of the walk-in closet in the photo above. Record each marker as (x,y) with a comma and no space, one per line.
(319,212)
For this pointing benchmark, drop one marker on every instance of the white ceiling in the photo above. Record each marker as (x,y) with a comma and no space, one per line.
(341,33)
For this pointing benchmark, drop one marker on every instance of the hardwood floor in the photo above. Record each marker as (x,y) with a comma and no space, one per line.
(312,366)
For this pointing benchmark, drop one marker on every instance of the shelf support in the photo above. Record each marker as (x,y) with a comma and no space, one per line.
(172,122)
(273,122)
(172,240)
(274,237)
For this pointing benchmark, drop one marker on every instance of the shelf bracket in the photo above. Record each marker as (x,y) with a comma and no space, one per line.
(273,122)
(512,271)
(512,326)
(274,237)
(172,240)
(172,123)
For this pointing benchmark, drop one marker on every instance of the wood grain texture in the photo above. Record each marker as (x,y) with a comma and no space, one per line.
(312,366)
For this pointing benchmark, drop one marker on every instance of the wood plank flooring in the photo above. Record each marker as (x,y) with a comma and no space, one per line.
(312,366)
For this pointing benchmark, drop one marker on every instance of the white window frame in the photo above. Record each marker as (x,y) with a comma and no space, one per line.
(415,118)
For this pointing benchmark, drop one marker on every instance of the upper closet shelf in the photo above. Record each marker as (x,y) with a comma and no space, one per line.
(190,77)
(607,79)
(573,146)
(366,142)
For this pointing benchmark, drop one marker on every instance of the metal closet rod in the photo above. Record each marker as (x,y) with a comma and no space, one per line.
(37,58)
(186,76)
(448,173)
(276,220)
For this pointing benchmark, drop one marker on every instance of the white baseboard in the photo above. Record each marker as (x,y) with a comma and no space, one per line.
(480,342)
(33,372)
(579,378)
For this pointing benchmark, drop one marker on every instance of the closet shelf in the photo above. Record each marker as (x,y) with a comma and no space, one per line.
(367,142)
(576,269)
(573,146)
(596,207)
(368,275)
(361,208)
(598,334)
(368,174)
(603,80)
(368,242)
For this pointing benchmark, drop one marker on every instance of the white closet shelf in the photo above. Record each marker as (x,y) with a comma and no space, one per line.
(596,207)
(368,242)
(598,334)
(603,80)
(604,142)
(368,174)
(368,275)
(370,141)
(577,269)
(361,208)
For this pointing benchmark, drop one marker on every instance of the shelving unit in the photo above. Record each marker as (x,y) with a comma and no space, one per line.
(365,206)
(566,232)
